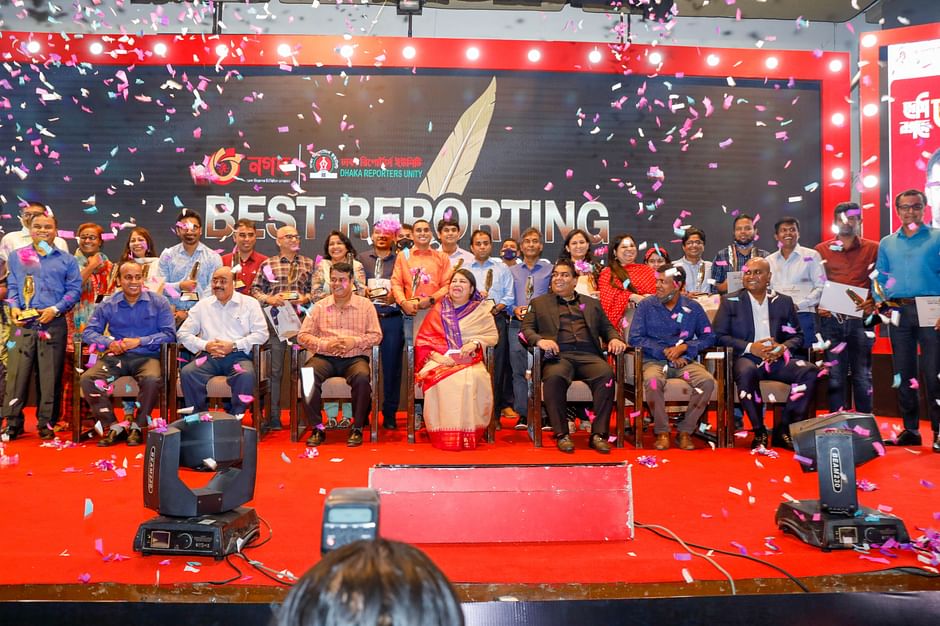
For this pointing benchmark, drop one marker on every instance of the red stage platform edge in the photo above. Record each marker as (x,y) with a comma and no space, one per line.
(429,504)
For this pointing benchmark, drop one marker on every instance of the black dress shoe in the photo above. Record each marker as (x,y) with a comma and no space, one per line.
(355,438)
(565,444)
(316,438)
(906,438)
(46,433)
(782,440)
(112,437)
(600,443)
(760,439)
(134,437)
(12,432)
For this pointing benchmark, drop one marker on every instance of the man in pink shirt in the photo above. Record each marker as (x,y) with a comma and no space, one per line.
(340,332)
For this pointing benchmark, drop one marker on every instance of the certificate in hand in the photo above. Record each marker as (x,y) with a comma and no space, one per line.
(928,310)
(836,299)
(735,281)
(459,357)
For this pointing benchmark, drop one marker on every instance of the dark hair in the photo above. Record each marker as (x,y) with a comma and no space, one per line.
(350,251)
(505,241)
(845,207)
(407,226)
(691,232)
(742,216)
(48,214)
(481,232)
(143,232)
(618,271)
(657,249)
(447,221)
(567,263)
(416,222)
(29,203)
(98,229)
(365,583)
(910,192)
(189,214)
(247,223)
(676,271)
(343,268)
(565,254)
(469,276)
(783,221)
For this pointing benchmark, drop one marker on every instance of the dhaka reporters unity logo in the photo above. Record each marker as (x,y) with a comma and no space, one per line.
(324,164)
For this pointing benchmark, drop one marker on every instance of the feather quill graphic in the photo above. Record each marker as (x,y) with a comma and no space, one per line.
(454,164)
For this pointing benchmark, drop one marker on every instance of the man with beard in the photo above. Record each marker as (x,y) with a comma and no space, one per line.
(244,258)
(849,260)
(221,331)
(734,257)
(188,266)
(672,330)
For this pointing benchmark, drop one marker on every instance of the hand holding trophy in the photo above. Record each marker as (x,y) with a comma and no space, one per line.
(29,291)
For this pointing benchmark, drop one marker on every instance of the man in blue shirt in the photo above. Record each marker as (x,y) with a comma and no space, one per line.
(188,266)
(908,266)
(530,279)
(672,330)
(138,323)
(44,283)
(495,283)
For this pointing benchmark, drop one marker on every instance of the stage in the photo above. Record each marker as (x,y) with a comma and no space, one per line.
(72,511)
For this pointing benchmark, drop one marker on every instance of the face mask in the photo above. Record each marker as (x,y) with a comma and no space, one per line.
(405,244)
(509,254)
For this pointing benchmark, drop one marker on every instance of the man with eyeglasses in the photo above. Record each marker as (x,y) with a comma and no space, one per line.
(571,330)
(244,259)
(932,188)
(188,266)
(763,331)
(908,267)
(283,283)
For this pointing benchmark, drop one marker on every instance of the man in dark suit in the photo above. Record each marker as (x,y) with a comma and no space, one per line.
(569,329)
(763,330)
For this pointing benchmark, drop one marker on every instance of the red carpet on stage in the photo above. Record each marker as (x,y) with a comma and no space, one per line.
(70,516)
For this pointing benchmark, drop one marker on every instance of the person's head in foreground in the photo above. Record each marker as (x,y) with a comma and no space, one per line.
(372,583)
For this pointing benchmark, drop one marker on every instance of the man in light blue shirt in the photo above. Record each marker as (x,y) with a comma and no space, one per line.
(495,283)
(177,264)
(908,266)
(530,278)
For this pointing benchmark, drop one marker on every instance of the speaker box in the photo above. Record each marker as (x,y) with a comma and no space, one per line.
(864,431)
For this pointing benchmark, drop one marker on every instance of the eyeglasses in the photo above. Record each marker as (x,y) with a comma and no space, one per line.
(290,237)
(694,242)
(917,206)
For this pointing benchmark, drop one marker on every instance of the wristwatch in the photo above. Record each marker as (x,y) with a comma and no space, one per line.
(431,300)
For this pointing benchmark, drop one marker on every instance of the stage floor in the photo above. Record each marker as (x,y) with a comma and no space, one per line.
(71,514)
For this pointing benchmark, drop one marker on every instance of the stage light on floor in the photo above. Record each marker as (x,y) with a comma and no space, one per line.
(870,109)
(838,119)
(712,60)
(869,40)
(772,63)
(409,52)
(838,173)
(655,58)
(594,56)
(473,53)
(96,48)
(534,55)
(835,65)
(283,50)
(160,49)
(33,47)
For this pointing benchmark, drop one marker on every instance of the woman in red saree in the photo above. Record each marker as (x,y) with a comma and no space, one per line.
(624,282)
(458,397)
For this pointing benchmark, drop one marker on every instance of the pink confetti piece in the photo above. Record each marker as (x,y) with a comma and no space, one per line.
(84,578)
(682,556)
(246,398)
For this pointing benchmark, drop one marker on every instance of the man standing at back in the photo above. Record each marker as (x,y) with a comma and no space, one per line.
(448,231)
(797,272)
(733,258)
(188,266)
(244,259)
(909,267)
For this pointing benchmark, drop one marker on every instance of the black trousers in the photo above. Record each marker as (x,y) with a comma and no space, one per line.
(557,375)
(392,346)
(43,346)
(747,376)
(502,368)
(355,370)
(144,368)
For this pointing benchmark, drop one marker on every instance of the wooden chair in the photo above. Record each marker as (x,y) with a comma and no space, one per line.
(218,386)
(677,392)
(578,391)
(333,389)
(124,387)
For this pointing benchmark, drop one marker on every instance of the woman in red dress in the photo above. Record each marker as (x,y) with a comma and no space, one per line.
(624,282)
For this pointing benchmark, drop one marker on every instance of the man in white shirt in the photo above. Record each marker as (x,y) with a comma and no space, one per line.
(221,331)
(797,272)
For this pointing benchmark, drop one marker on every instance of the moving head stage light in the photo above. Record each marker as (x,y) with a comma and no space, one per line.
(209,520)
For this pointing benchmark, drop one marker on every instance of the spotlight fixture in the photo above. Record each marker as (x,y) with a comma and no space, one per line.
(473,53)
(409,7)
(33,47)
(835,65)
(772,63)
(160,49)
(655,58)
(870,109)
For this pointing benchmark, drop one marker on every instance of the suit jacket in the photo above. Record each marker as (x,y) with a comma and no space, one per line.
(543,319)
(734,322)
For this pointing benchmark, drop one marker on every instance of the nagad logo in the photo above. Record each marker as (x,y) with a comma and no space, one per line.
(224,165)
(324,164)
